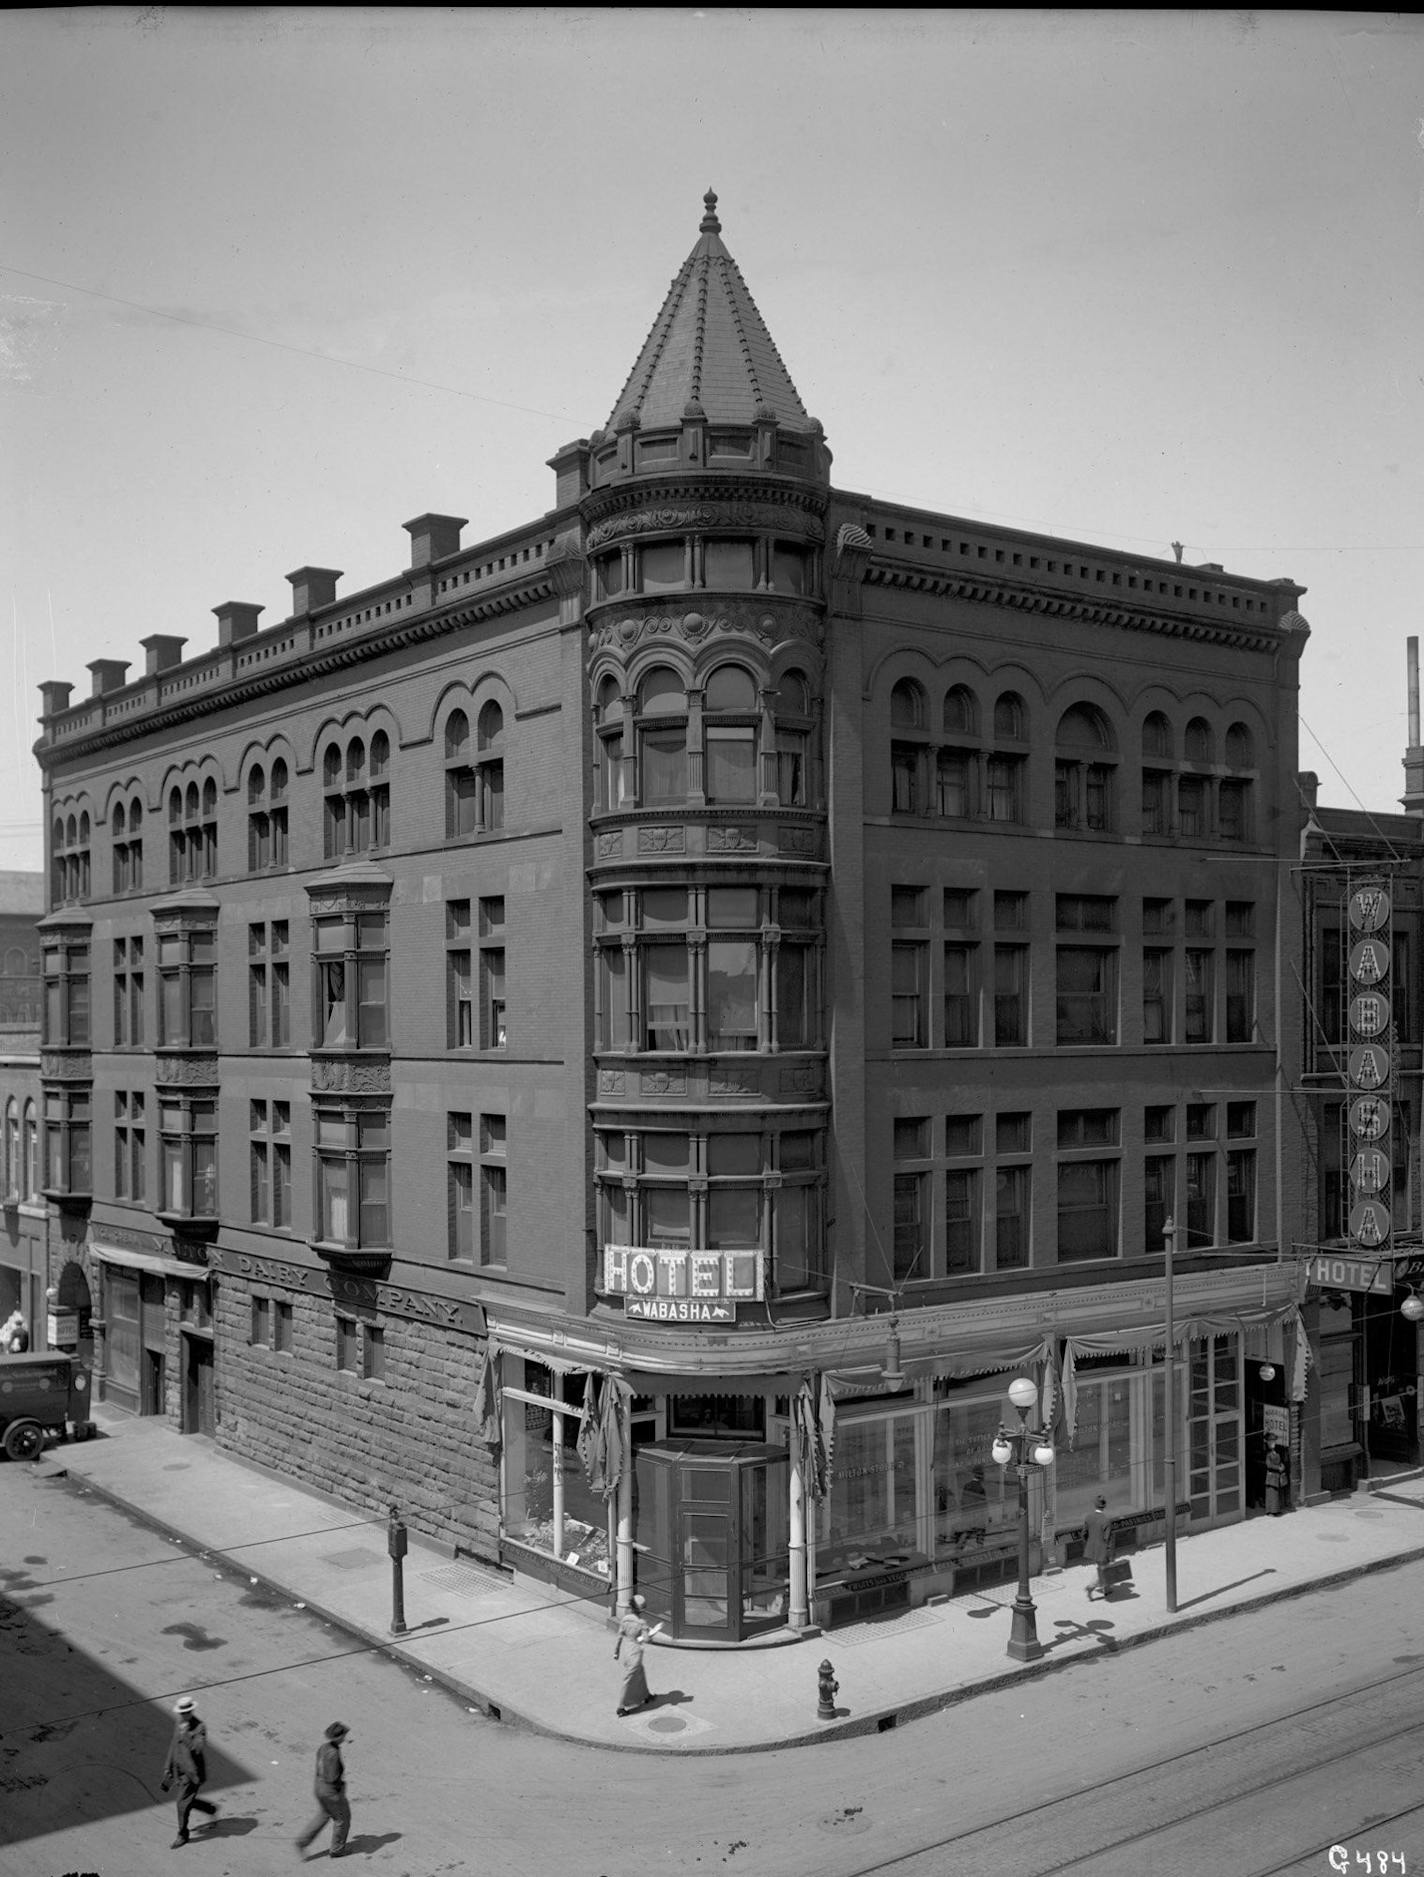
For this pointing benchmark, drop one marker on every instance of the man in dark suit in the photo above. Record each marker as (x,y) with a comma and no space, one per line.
(1098,1547)
(330,1792)
(187,1766)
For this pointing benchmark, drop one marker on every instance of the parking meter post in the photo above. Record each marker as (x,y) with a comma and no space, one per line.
(397,1543)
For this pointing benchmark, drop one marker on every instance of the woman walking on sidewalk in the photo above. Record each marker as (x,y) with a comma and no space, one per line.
(633,1635)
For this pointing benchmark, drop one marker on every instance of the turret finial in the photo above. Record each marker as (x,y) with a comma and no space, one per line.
(710,224)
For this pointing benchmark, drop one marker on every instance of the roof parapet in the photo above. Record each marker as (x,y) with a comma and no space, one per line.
(313,587)
(434,537)
(237,619)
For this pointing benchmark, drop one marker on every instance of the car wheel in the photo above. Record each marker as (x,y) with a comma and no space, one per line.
(24,1440)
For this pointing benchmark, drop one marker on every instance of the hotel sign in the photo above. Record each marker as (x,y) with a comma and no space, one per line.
(1369,1066)
(682,1286)
(1332,1273)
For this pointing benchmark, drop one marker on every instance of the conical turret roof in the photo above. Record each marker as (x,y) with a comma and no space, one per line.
(709,351)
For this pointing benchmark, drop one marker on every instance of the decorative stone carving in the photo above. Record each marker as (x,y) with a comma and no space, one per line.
(662,1082)
(612,1082)
(186,1071)
(66,1065)
(797,840)
(727,1082)
(731,841)
(340,1075)
(801,1079)
(786,518)
(662,840)
(770,624)
(610,844)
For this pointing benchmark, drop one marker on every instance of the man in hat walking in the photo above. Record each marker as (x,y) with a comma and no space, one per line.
(187,1767)
(330,1792)
(1098,1545)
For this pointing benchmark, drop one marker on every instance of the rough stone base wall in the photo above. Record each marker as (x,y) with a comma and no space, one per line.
(410,1439)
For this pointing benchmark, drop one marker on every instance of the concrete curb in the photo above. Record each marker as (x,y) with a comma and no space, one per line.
(875,1721)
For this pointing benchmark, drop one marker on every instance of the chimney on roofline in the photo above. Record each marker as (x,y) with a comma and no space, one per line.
(433,537)
(313,587)
(237,619)
(161,651)
(109,674)
(54,697)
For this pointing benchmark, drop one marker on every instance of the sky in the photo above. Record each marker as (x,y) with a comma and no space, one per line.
(274,281)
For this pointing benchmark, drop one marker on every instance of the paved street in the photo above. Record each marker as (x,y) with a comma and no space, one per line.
(105,1623)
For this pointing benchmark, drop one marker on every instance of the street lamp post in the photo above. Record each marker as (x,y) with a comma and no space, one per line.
(1169,1411)
(1026,1446)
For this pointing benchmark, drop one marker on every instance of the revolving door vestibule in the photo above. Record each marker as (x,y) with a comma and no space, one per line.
(712,1537)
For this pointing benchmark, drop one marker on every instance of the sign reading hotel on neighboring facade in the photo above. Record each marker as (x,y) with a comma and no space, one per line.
(682,1286)
(1370,1072)
(1334,1273)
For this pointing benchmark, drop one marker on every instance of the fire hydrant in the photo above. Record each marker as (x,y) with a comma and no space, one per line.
(827,1689)
(397,1543)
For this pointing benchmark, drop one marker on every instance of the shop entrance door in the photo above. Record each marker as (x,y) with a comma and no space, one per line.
(701,1600)
(1215,1432)
(199,1416)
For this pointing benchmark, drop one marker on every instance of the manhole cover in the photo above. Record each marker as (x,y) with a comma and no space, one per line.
(352,1560)
(667,1724)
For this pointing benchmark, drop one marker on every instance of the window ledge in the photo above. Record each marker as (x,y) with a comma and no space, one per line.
(374,1261)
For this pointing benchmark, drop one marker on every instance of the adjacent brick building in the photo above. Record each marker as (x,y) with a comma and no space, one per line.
(730,954)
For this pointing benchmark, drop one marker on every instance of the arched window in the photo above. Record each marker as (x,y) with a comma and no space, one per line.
(489,766)
(267,817)
(1083,780)
(608,727)
(730,721)
(1240,747)
(795,728)
(193,833)
(1010,719)
(907,706)
(69,858)
(127,826)
(1199,744)
(1156,735)
(12,1149)
(357,805)
(908,758)
(662,737)
(961,712)
(30,1151)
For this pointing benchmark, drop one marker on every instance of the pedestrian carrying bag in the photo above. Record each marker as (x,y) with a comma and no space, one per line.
(1119,1571)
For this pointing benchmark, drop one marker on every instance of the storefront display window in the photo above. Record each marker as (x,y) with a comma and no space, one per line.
(974,1500)
(548,1502)
(873,1502)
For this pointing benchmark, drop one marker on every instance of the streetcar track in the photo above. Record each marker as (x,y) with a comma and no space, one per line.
(1320,1850)
(1045,1807)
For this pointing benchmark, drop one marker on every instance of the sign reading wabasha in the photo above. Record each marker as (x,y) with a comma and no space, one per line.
(682,1286)
(1370,1067)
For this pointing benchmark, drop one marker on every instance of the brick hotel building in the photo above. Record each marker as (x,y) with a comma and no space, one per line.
(729,943)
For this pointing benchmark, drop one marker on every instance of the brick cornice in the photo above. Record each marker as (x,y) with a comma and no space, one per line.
(303,667)
(1021,597)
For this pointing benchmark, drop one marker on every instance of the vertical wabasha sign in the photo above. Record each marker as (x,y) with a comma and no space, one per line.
(1370,1067)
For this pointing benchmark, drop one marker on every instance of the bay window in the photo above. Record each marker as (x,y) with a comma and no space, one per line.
(68,1142)
(350,966)
(188,1133)
(187,987)
(352,1176)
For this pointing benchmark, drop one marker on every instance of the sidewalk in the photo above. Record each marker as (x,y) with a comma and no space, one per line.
(531,1657)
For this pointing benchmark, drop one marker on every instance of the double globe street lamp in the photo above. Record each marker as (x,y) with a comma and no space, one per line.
(1027,1447)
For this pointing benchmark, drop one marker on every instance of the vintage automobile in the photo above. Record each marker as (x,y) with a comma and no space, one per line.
(39,1395)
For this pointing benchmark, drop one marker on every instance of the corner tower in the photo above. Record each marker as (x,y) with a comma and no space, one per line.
(704,521)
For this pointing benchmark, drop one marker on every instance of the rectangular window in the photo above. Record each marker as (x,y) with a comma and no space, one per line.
(1011,912)
(1156,997)
(348,1344)
(1241,997)
(1005,776)
(494,1190)
(459,993)
(373,1353)
(270,1163)
(1010,996)
(1087,1127)
(797,996)
(732,994)
(1087,996)
(1155,816)
(261,1336)
(953,772)
(730,774)
(1087,1210)
(129,1146)
(128,993)
(1241,1195)
(961,912)
(963,1136)
(269,986)
(1191,807)
(187,974)
(351,981)
(961,1221)
(667,1000)
(907,996)
(1159,1174)
(460,1187)
(662,763)
(911,1138)
(961,997)
(905,779)
(1201,1121)
(190,1157)
(1159,1124)
(282,1327)
(1011,1221)
(911,1251)
(1233,807)
(1201,1200)
(907,908)
(353,1176)
(1200,1003)
(1240,918)
(1085,912)
(493,1031)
